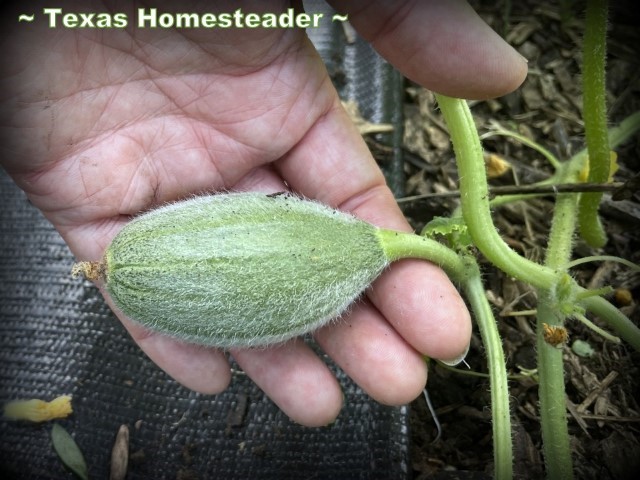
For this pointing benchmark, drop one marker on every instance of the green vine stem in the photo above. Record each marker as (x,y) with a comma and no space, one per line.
(559,295)
(476,212)
(500,412)
(624,327)
(595,118)
(464,269)
(553,420)
(551,392)
(604,258)
(399,245)
(474,197)
(561,234)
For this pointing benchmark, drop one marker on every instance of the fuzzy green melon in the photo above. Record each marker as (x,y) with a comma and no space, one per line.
(239,269)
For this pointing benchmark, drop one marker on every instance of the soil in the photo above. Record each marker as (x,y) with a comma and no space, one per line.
(603,388)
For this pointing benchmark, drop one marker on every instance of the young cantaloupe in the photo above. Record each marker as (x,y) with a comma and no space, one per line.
(239,269)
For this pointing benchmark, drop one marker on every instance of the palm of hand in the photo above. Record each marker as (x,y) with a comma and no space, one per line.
(128,131)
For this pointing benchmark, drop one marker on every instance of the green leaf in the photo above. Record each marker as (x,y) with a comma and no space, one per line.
(443,226)
(68,451)
(454,229)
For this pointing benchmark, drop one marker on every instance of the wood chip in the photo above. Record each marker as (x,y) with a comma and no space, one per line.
(120,454)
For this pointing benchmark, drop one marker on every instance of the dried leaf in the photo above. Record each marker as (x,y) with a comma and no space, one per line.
(68,451)
(120,454)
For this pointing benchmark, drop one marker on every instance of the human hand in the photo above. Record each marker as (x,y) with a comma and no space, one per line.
(99,125)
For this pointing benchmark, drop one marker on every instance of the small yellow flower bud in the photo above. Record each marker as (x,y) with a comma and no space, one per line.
(38,410)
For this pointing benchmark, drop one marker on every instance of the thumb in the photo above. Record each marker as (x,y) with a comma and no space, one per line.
(442,45)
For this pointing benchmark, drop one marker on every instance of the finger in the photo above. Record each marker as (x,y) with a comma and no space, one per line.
(198,368)
(261,179)
(424,308)
(372,353)
(331,163)
(441,44)
(297,381)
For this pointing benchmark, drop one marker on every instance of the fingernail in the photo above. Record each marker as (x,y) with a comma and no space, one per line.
(458,359)
(525,59)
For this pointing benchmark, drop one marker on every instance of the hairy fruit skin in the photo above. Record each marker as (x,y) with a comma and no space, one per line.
(240,269)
